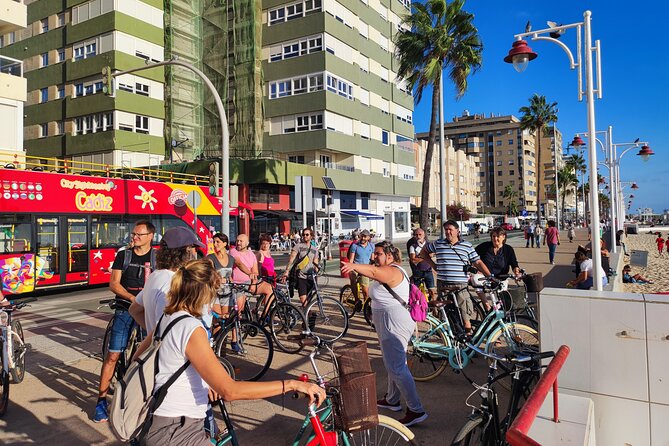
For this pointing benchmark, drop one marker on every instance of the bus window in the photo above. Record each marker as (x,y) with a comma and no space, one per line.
(14,234)
(77,245)
(110,231)
(47,243)
(165,222)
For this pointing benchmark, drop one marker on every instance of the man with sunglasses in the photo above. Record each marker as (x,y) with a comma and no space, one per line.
(126,281)
(304,257)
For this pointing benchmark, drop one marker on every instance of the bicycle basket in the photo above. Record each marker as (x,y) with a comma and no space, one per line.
(534,282)
(352,358)
(355,403)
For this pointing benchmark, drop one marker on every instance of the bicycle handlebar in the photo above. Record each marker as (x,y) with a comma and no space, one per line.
(514,357)
(18,304)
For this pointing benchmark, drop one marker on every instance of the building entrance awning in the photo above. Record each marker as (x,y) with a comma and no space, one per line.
(361,214)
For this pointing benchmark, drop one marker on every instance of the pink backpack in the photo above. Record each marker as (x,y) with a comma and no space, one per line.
(417,304)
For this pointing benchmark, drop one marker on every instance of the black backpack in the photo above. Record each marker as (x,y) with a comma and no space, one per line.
(127,253)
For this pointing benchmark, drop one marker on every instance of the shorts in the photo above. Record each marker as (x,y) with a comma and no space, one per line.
(464,300)
(303,286)
(427,276)
(120,331)
(166,431)
(362,280)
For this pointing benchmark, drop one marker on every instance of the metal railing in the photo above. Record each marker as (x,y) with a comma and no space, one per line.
(11,66)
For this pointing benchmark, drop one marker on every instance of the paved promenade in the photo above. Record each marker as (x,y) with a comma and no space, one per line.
(54,404)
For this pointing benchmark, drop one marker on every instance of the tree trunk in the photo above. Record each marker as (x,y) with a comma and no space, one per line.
(540,188)
(427,170)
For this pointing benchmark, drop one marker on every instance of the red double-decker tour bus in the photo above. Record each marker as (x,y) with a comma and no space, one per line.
(60,230)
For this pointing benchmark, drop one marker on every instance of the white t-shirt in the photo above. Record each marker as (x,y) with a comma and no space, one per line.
(154,296)
(586,265)
(189,394)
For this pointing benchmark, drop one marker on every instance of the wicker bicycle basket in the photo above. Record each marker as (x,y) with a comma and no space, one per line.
(355,402)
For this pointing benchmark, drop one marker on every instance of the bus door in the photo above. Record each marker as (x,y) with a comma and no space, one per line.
(62,250)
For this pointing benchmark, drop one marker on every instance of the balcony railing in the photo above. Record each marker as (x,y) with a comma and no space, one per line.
(11,66)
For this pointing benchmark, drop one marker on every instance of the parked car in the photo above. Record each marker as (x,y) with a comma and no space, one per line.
(464,229)
(484,228)
(507,226)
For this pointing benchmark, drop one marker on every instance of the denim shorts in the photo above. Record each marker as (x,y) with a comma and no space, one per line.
(120,331)
(427,276)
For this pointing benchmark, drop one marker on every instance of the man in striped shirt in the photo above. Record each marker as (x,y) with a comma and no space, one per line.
(452,258)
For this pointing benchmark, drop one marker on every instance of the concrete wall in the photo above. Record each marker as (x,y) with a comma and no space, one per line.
(619,358)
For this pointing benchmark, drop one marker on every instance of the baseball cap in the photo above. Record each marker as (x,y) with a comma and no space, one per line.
(364,232)
(181,236)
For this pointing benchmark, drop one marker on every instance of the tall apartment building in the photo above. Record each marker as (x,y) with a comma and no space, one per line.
(552,159)
(64,50)
(462,178)
(309,88)
(504,156)
(13,86)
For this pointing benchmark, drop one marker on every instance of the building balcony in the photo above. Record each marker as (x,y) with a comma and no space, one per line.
(12,83)
(13,16)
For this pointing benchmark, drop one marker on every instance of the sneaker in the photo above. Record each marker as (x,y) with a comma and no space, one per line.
(383,404)
(411,418)
(237,348)
(101,412)
(552,263)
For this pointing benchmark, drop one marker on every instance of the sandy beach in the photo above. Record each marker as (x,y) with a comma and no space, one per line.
(656,271)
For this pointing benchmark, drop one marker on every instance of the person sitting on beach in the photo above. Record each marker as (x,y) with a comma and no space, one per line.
(584,280)
(636,278)
(660,243)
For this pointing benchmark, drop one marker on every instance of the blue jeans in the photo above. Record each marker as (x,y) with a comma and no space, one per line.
(427,276)
(551,251)
(120,331)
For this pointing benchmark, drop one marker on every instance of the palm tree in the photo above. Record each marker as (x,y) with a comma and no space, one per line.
(577,163)
(510,194)
(536,118)
(441,35)
(567,180)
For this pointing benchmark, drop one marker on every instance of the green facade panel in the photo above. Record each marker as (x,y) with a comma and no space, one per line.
(87,105)
(142,105)
(35,45)
(114,140)
(292,30)
(43,8)
(403,128)
(48,147)
(41,113)
(405,187)
(310,63)
(303,103)
(402,98)
(403,157)
(295,142)
(45,77)
(115,59)
(114,21)
(155,3)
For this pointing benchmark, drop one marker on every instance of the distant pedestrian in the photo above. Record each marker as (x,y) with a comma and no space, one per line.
(552,239)
(529,235)
(538,233)
(660,244)
(571,233)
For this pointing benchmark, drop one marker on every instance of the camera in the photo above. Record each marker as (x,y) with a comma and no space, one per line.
(469,268)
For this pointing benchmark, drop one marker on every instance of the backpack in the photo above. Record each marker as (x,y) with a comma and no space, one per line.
(417,304)
(135,399)
(127,253)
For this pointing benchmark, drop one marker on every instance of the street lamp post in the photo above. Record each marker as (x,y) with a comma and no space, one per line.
(225,132)
(521,54)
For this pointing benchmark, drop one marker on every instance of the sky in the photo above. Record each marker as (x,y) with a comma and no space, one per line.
(635,79)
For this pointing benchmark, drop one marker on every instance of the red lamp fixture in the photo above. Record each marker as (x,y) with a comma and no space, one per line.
(520,55)
(577,142)
(645,153)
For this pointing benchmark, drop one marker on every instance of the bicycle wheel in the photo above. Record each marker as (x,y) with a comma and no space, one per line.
(19,353)
(327,318)
(347,300)
(286,325)
(471,433)
(425,365)
(387,432)
(255,350)
(513,337)
(4,383)
(367,312)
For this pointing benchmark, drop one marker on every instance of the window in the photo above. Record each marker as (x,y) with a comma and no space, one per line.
(98,87)
(347,200)
(45,59)
(60,127)
(61,55)
(294,11)
(364,200)
(61,92)
(141,89)
(499,163)
(61,19)
(385,137)
(277,16)
(91,49)
(43,130)
(125,87)
(78,89)
(79,126)
(303,123)
(512,172)
(88,89)
(511,141)
(498,143)
(109,121)
(500,173)
(316,82)
(43,95)
(44,24)
(299,159)
(79,53)
(141,124)
(511,162)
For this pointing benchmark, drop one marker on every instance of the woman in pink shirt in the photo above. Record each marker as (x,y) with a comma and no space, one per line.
(552,239)
(245,271)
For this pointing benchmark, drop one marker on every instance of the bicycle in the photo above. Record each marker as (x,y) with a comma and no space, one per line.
(352,306)
(135,337)
(12,350)
(524,314)
(485,426)
(326,317)
(436,345)
(245,344)
(319,425)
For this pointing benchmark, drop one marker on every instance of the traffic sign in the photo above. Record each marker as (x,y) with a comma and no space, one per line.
(461,211)
(523,213)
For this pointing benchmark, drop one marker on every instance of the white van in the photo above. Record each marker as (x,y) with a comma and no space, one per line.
(464,229)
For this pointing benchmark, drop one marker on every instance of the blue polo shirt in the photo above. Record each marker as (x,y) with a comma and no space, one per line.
(363,254)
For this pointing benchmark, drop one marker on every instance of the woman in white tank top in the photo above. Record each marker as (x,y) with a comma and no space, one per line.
(394,327)
(180,418)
